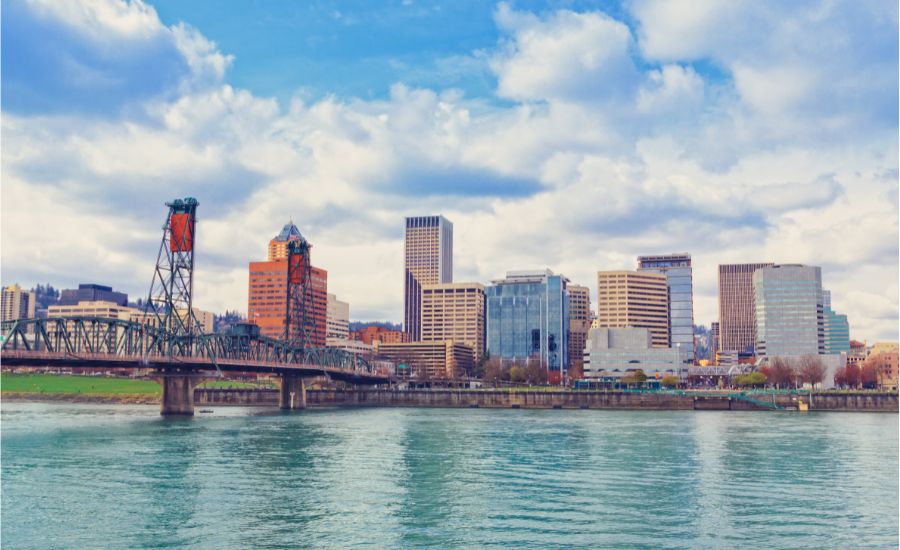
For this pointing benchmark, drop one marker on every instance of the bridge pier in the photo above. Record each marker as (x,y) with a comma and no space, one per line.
(293,392)
(178,393)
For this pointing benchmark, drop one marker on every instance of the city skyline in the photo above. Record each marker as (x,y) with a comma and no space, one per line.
(690,150)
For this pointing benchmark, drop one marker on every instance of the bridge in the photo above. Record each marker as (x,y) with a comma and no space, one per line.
(168,339)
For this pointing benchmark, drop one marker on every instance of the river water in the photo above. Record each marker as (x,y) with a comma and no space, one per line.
(110,476)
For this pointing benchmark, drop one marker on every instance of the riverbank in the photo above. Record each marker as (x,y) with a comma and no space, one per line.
(88,389)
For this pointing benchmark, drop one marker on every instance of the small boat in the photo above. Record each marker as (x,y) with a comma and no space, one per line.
(203,411)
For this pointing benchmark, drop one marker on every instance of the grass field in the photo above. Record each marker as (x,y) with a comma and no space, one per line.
(84,385)
(97,385)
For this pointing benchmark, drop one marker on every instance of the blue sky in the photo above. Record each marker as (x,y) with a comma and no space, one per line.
(569,135)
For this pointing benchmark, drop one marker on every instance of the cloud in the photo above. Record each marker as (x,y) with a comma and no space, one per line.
(567,56)
(598,144)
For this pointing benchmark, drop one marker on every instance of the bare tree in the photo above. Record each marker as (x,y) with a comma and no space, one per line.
(782,372)
(536,372)
(493,370)
(812,370)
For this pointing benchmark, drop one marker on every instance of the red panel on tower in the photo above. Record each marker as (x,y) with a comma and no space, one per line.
(296,269)
(182,239)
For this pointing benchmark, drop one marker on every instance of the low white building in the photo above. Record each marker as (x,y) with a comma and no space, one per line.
(617,352)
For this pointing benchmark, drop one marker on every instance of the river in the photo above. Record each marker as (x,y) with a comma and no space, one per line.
(119,476)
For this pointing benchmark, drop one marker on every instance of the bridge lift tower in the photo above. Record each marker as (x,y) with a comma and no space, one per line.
(299,323)
(169,304)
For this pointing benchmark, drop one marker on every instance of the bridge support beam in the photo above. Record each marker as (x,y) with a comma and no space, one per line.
(178,393)
(293,392)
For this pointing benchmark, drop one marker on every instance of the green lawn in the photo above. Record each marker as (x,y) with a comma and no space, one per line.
(87,385)
(98,385)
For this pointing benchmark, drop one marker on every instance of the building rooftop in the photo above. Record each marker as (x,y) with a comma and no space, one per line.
(289,233)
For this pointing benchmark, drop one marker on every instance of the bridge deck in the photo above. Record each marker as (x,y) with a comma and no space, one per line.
(21,358)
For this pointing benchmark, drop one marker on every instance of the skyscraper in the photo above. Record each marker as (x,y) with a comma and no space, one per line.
(737,328)
(527,318)
(837,328)
(579,324)
(634,299)
(17,303)
(337,319)
(788,309)
(267,292)
(679,277)
(428,260)
(455,312)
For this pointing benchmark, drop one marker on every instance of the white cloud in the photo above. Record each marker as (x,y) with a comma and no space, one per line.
(569,56)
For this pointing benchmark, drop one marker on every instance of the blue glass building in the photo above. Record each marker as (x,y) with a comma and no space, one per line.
(679,278)
(527,317)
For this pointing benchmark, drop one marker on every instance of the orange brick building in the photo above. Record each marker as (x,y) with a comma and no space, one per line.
(381,334)
(267,296)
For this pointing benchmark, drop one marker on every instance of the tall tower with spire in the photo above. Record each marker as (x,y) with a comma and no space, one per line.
(268,290)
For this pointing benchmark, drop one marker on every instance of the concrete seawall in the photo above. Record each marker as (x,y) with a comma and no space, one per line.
(502,399)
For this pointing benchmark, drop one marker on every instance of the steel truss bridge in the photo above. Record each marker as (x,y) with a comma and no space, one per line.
(168,339)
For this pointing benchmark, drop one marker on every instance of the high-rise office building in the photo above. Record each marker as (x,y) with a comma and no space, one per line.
(17,303)
(267,296)
(788,308)
(634,299)
(527,319)
(837,328)
(337,319)
(737,328)
(713,342)
(679,277)
(428,260)
(454,311)
(579,324)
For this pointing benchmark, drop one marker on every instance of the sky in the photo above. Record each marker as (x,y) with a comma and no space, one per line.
(569,135)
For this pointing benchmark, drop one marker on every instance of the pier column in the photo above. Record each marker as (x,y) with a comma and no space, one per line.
(177,393)
(293,392)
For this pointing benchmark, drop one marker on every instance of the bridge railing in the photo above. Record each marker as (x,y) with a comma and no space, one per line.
(98,337)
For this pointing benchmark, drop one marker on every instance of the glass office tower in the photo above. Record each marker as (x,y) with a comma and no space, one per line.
(527,317)
(788,307)
(679,277)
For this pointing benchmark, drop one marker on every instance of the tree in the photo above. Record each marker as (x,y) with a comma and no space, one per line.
(669,381)
(812,370)
(517,373)
(478,369)
(782,372)
(753,379)
(493,370)
(634,377)
(536,372)
(868,374)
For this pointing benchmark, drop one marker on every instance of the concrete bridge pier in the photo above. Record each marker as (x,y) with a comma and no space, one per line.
(293,392)
(178,392)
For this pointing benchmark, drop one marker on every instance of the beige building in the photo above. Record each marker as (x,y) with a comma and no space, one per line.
(110,310)
(17,303)
(337,320)
(737,322)
(580,320)
(206,319)
(428,260)
(352,346)
(454,311)
(634,299)
(426,360)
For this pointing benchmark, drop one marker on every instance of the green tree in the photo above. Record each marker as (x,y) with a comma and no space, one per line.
(669,381)
(517,374)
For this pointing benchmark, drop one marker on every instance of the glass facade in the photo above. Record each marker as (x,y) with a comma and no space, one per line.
(789,312)
(837,332)
(527,316)
(679,277)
